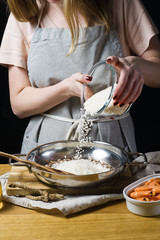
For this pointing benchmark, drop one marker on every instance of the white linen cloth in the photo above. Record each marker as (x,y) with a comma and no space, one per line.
(73,204)
(69,205)
(152,167)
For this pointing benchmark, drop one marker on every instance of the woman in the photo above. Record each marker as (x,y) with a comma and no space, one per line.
(49,47)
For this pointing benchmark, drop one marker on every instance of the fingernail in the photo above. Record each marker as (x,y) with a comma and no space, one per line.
(109,59)
(115,103)
(121,105)
(111,118)
(89,78)
(114,97)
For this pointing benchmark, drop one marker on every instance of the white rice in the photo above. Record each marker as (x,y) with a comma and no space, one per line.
(81,166)
(97,101)
(78,165)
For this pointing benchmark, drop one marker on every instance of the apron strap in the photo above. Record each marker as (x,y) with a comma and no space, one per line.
(77,122)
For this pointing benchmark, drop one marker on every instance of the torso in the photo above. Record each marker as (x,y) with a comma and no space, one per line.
(53,44)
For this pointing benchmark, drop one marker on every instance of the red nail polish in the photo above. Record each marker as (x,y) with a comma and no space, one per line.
(121,105)
(114,97)
(111,118)
(115,103)
(89,78)
(109,59)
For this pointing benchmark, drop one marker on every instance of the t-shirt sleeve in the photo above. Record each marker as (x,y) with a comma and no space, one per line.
(135,26)
(140,27)
(14,45)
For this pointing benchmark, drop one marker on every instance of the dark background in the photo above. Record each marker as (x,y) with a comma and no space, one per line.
(145,111)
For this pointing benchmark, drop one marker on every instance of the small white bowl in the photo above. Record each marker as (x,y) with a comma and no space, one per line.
(139,207)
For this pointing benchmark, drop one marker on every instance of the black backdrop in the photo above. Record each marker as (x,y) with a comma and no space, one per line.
(145,111)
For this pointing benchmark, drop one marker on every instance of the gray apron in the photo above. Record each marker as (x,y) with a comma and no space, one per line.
(48,64)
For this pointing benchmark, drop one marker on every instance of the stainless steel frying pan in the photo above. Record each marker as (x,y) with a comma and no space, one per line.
(117,157)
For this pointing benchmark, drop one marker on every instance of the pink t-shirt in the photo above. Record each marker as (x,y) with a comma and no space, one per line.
(134,26)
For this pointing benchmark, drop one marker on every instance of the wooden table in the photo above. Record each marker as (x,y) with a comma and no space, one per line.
(111,221)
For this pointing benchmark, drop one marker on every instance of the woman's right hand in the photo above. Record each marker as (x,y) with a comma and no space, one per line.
(75,85)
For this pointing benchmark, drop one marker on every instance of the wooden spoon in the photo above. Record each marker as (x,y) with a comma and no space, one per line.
(44,168)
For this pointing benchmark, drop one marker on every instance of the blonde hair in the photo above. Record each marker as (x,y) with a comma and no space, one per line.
(24,10)
(28,10)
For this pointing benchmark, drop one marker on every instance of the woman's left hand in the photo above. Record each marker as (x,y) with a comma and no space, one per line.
(130,82)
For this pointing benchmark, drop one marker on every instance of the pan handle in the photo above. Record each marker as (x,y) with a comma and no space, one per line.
(12,163)
(144,162)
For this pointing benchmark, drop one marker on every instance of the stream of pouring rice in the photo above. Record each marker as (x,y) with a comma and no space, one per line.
(77,165)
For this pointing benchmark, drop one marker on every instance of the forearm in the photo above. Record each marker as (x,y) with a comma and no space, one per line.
(31,101)
(149,63)
(27,100)
(151,71)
